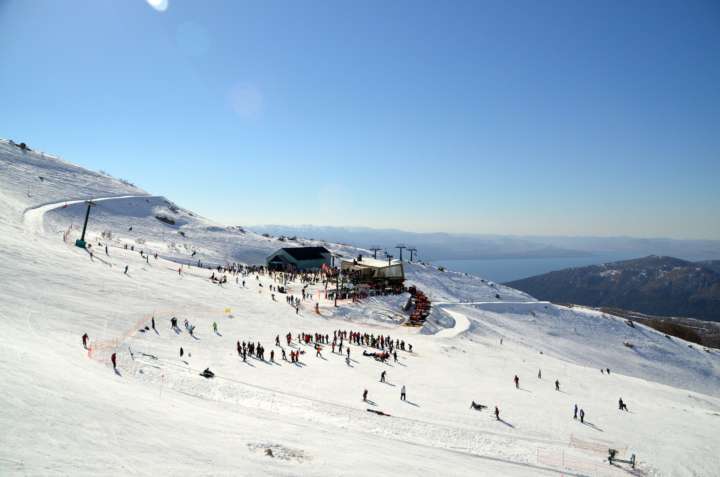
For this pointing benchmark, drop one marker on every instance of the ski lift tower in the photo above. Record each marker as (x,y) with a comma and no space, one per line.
(400,247)
(81,241)
(375,249)
(412,251)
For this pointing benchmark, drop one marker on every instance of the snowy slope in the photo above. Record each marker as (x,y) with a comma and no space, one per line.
(65,412)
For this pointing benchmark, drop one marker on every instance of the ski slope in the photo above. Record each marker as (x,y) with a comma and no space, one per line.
(64,412)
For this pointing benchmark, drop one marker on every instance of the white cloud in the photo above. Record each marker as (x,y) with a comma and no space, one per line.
(159,5)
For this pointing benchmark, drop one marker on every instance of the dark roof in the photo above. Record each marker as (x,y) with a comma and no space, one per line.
(306,253)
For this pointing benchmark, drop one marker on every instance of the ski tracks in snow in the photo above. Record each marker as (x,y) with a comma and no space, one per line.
(495,446)
(34,218)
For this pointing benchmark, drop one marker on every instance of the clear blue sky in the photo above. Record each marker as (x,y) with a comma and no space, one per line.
(559,117)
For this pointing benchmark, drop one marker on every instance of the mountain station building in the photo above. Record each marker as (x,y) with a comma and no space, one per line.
(299,259)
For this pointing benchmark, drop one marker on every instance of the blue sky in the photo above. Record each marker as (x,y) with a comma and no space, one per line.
(559,117)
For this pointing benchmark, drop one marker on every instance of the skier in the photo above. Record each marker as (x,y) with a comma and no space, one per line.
(402,393)
(215,328)
(575,411)
(182,351)
(126,270)
(113,359)
(152,323)
(382,377)
(539,373)
(557,385)
(621,405)
(497,413)
(272,355)
(582,416)
(85,340)
(365,395)
(517,382)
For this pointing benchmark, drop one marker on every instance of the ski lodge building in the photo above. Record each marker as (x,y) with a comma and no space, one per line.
(299,259)
(374,273)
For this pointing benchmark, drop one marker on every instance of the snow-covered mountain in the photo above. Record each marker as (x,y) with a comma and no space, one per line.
(64,411)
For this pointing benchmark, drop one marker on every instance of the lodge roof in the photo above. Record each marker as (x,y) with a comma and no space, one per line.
(307,253)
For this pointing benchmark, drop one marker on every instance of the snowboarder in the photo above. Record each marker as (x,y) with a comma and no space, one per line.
(557,385)
(517,382)
(477,406)
(382,377)
(207,374)
(402,393)
(621,405)
(113,359)
(85,340)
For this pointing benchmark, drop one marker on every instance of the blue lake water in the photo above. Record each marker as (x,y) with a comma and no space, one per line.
(508,269)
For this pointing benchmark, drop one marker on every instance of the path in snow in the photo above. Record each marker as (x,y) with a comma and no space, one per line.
(462,324)
(33,219)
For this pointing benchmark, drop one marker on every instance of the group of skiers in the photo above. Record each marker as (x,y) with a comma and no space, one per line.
(256,350)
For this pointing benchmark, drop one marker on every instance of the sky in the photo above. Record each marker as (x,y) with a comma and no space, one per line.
(510,117)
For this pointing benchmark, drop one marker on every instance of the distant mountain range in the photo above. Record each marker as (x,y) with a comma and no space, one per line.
(450,246)
(654,285)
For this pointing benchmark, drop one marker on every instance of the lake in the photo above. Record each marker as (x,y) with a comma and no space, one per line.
(503,270)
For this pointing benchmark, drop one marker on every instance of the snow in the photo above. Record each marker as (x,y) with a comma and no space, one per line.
(63,410)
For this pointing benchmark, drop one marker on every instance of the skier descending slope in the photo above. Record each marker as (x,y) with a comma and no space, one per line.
(85,340)
(113,359)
